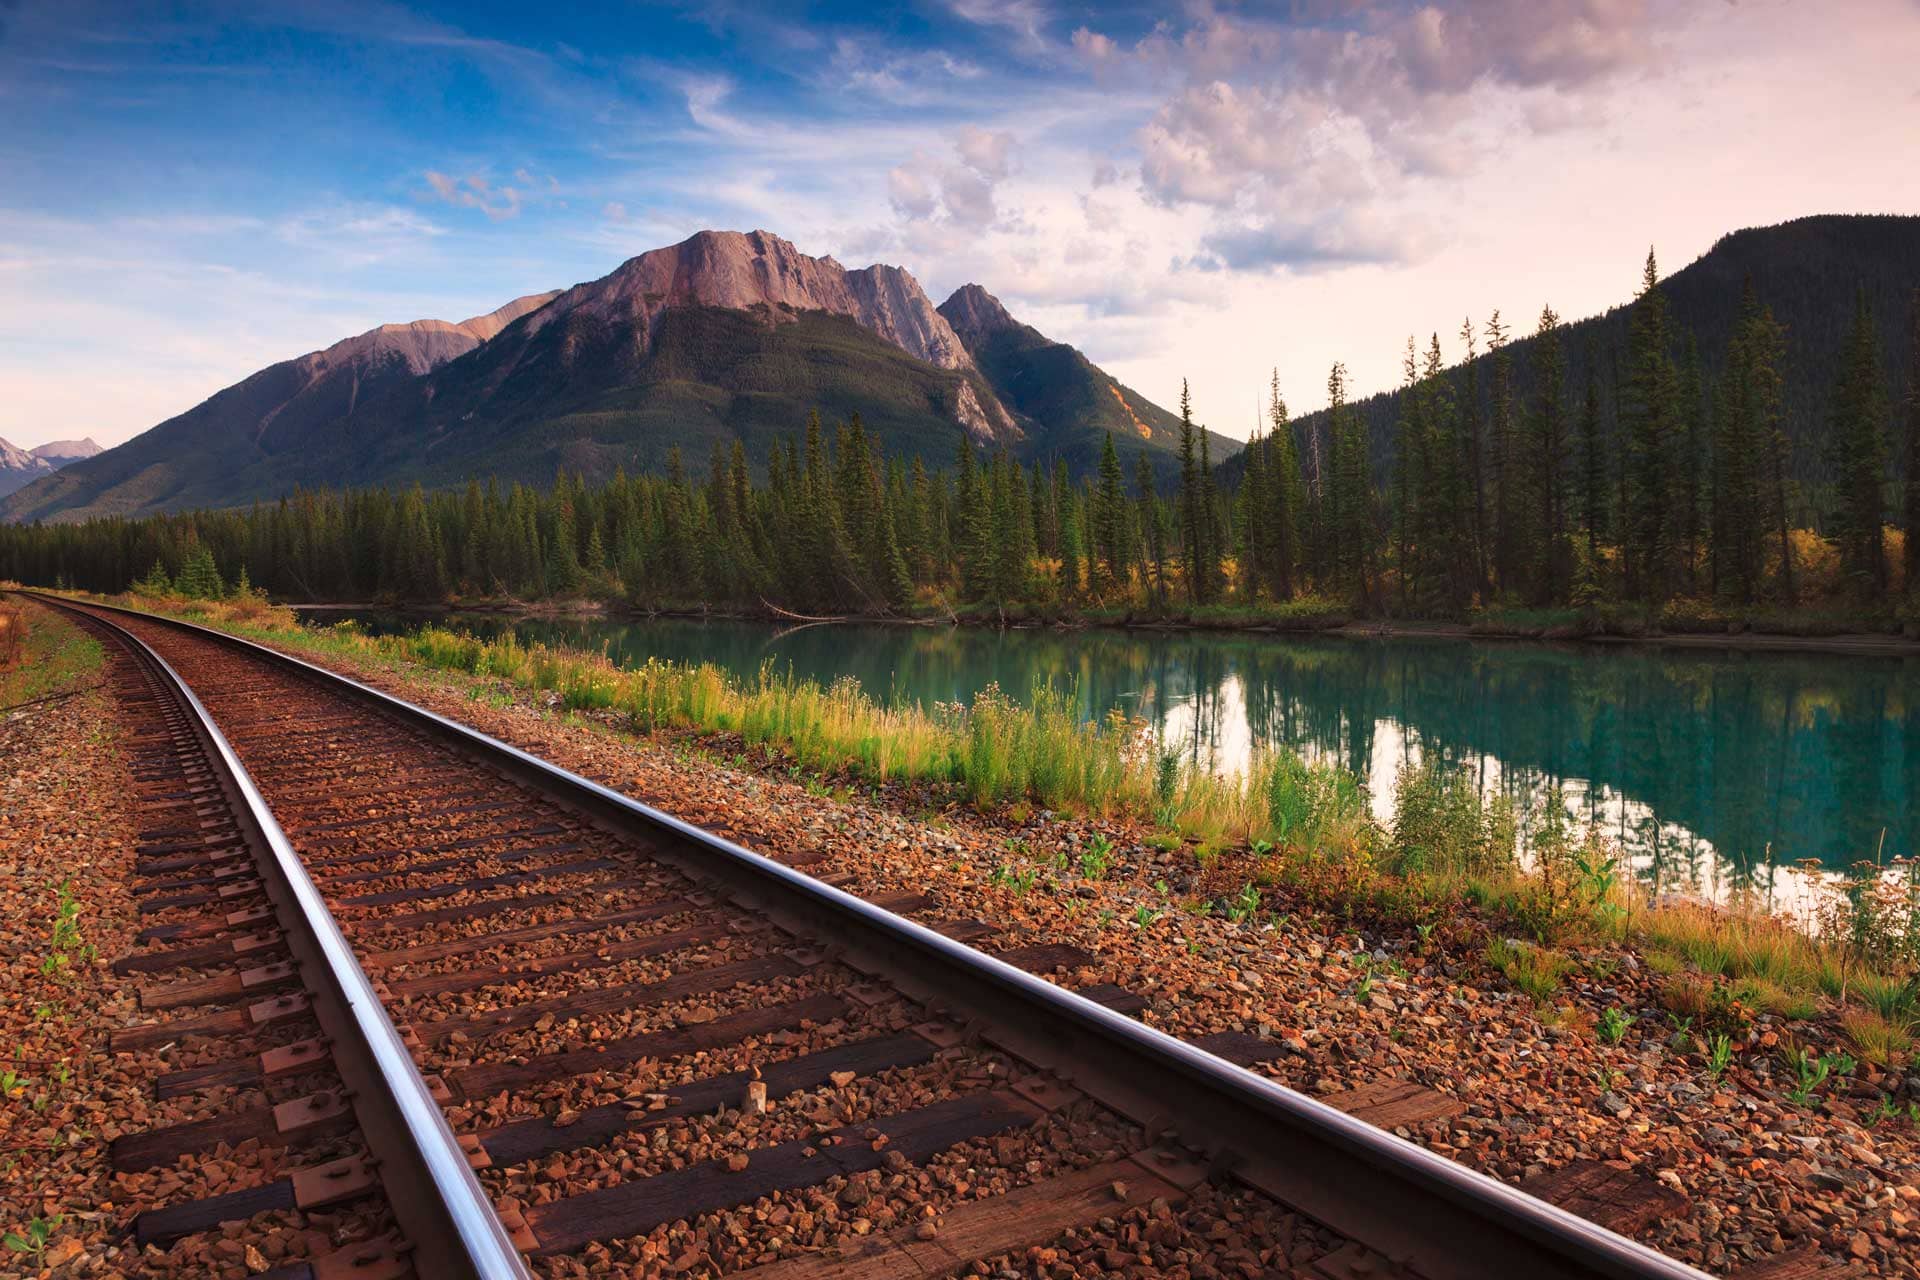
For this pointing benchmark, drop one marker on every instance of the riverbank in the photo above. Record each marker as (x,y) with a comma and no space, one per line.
(1658,1040)
(1811,633)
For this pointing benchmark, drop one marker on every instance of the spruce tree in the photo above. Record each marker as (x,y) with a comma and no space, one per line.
(1191,542)
(1857,456)
(1911,505)
(1109,518)
(1551,566)
(1651,414)
(1502,462)
(1286,495)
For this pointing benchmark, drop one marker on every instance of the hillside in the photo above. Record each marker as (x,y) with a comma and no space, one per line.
(724,337)
(280,413)
(1074,401)
(1806,270)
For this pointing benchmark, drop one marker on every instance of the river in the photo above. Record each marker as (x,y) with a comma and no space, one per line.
(1712,769)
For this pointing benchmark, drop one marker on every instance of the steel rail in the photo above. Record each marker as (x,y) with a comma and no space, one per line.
(439,1206)
(1436,1218)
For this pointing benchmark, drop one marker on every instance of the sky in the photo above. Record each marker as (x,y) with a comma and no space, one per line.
(1218,192)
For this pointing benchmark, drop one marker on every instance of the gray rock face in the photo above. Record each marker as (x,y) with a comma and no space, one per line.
(746,271)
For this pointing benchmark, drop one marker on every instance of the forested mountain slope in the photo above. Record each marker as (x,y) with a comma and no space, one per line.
(1806,271)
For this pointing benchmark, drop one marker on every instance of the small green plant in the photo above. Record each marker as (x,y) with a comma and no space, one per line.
(1614,1024)
(1426,934)
(1885,1111)
(34,1242)
(1105,917)
(1096,858)
(65,945)
(1244,906)
(1144,915)
(1809,1073)
(1021,881)
(1363,990)
(1719,1056)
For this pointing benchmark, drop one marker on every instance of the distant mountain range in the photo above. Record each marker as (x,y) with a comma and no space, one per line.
(723,337)
(1806,271)
(21,467)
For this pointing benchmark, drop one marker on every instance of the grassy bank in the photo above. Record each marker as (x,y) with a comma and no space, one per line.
(1543,888)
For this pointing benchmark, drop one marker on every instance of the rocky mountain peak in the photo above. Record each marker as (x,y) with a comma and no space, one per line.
(64,451)
(749,270)
(975,314)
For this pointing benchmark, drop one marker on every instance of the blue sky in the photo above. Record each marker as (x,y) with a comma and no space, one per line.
(188,193)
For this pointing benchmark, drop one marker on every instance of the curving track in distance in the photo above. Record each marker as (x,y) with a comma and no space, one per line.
(524,1024)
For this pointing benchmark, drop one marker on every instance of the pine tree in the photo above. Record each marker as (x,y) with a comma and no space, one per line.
(1746,409)
(1857,455)
(1911,505)
(1502,468)
(1286,495)
(1593,470)
(1551,565)
(1693,466)
(1409,479)
(156,583)
(1652,418)
(1191,539)
(199,576)
(1152,530)
(1213,536)
(1109,518)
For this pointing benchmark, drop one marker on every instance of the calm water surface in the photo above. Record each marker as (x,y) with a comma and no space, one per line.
(1710,768)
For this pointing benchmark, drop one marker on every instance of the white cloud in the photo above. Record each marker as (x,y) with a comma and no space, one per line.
(986,151)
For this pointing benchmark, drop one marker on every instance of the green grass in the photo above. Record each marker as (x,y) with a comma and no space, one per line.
(54,657)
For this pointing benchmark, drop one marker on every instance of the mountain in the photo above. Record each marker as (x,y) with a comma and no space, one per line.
(277,413)
(21,467)
(1068,403)
(61,452)
(1806,270)
(724,337)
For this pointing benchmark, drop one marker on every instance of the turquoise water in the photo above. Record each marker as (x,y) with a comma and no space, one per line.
(1708,767)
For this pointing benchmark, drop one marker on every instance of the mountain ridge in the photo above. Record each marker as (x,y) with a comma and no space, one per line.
(21,467)
(727,336)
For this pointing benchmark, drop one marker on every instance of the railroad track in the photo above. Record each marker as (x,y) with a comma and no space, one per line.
(432,1006)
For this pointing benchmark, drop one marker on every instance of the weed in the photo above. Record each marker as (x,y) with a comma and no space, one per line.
(1614,1024)
(1809,1073)
(1144,916)
(1534,970)
(1246,905)
(1719,1056)
(34,1242)
(1096,858)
